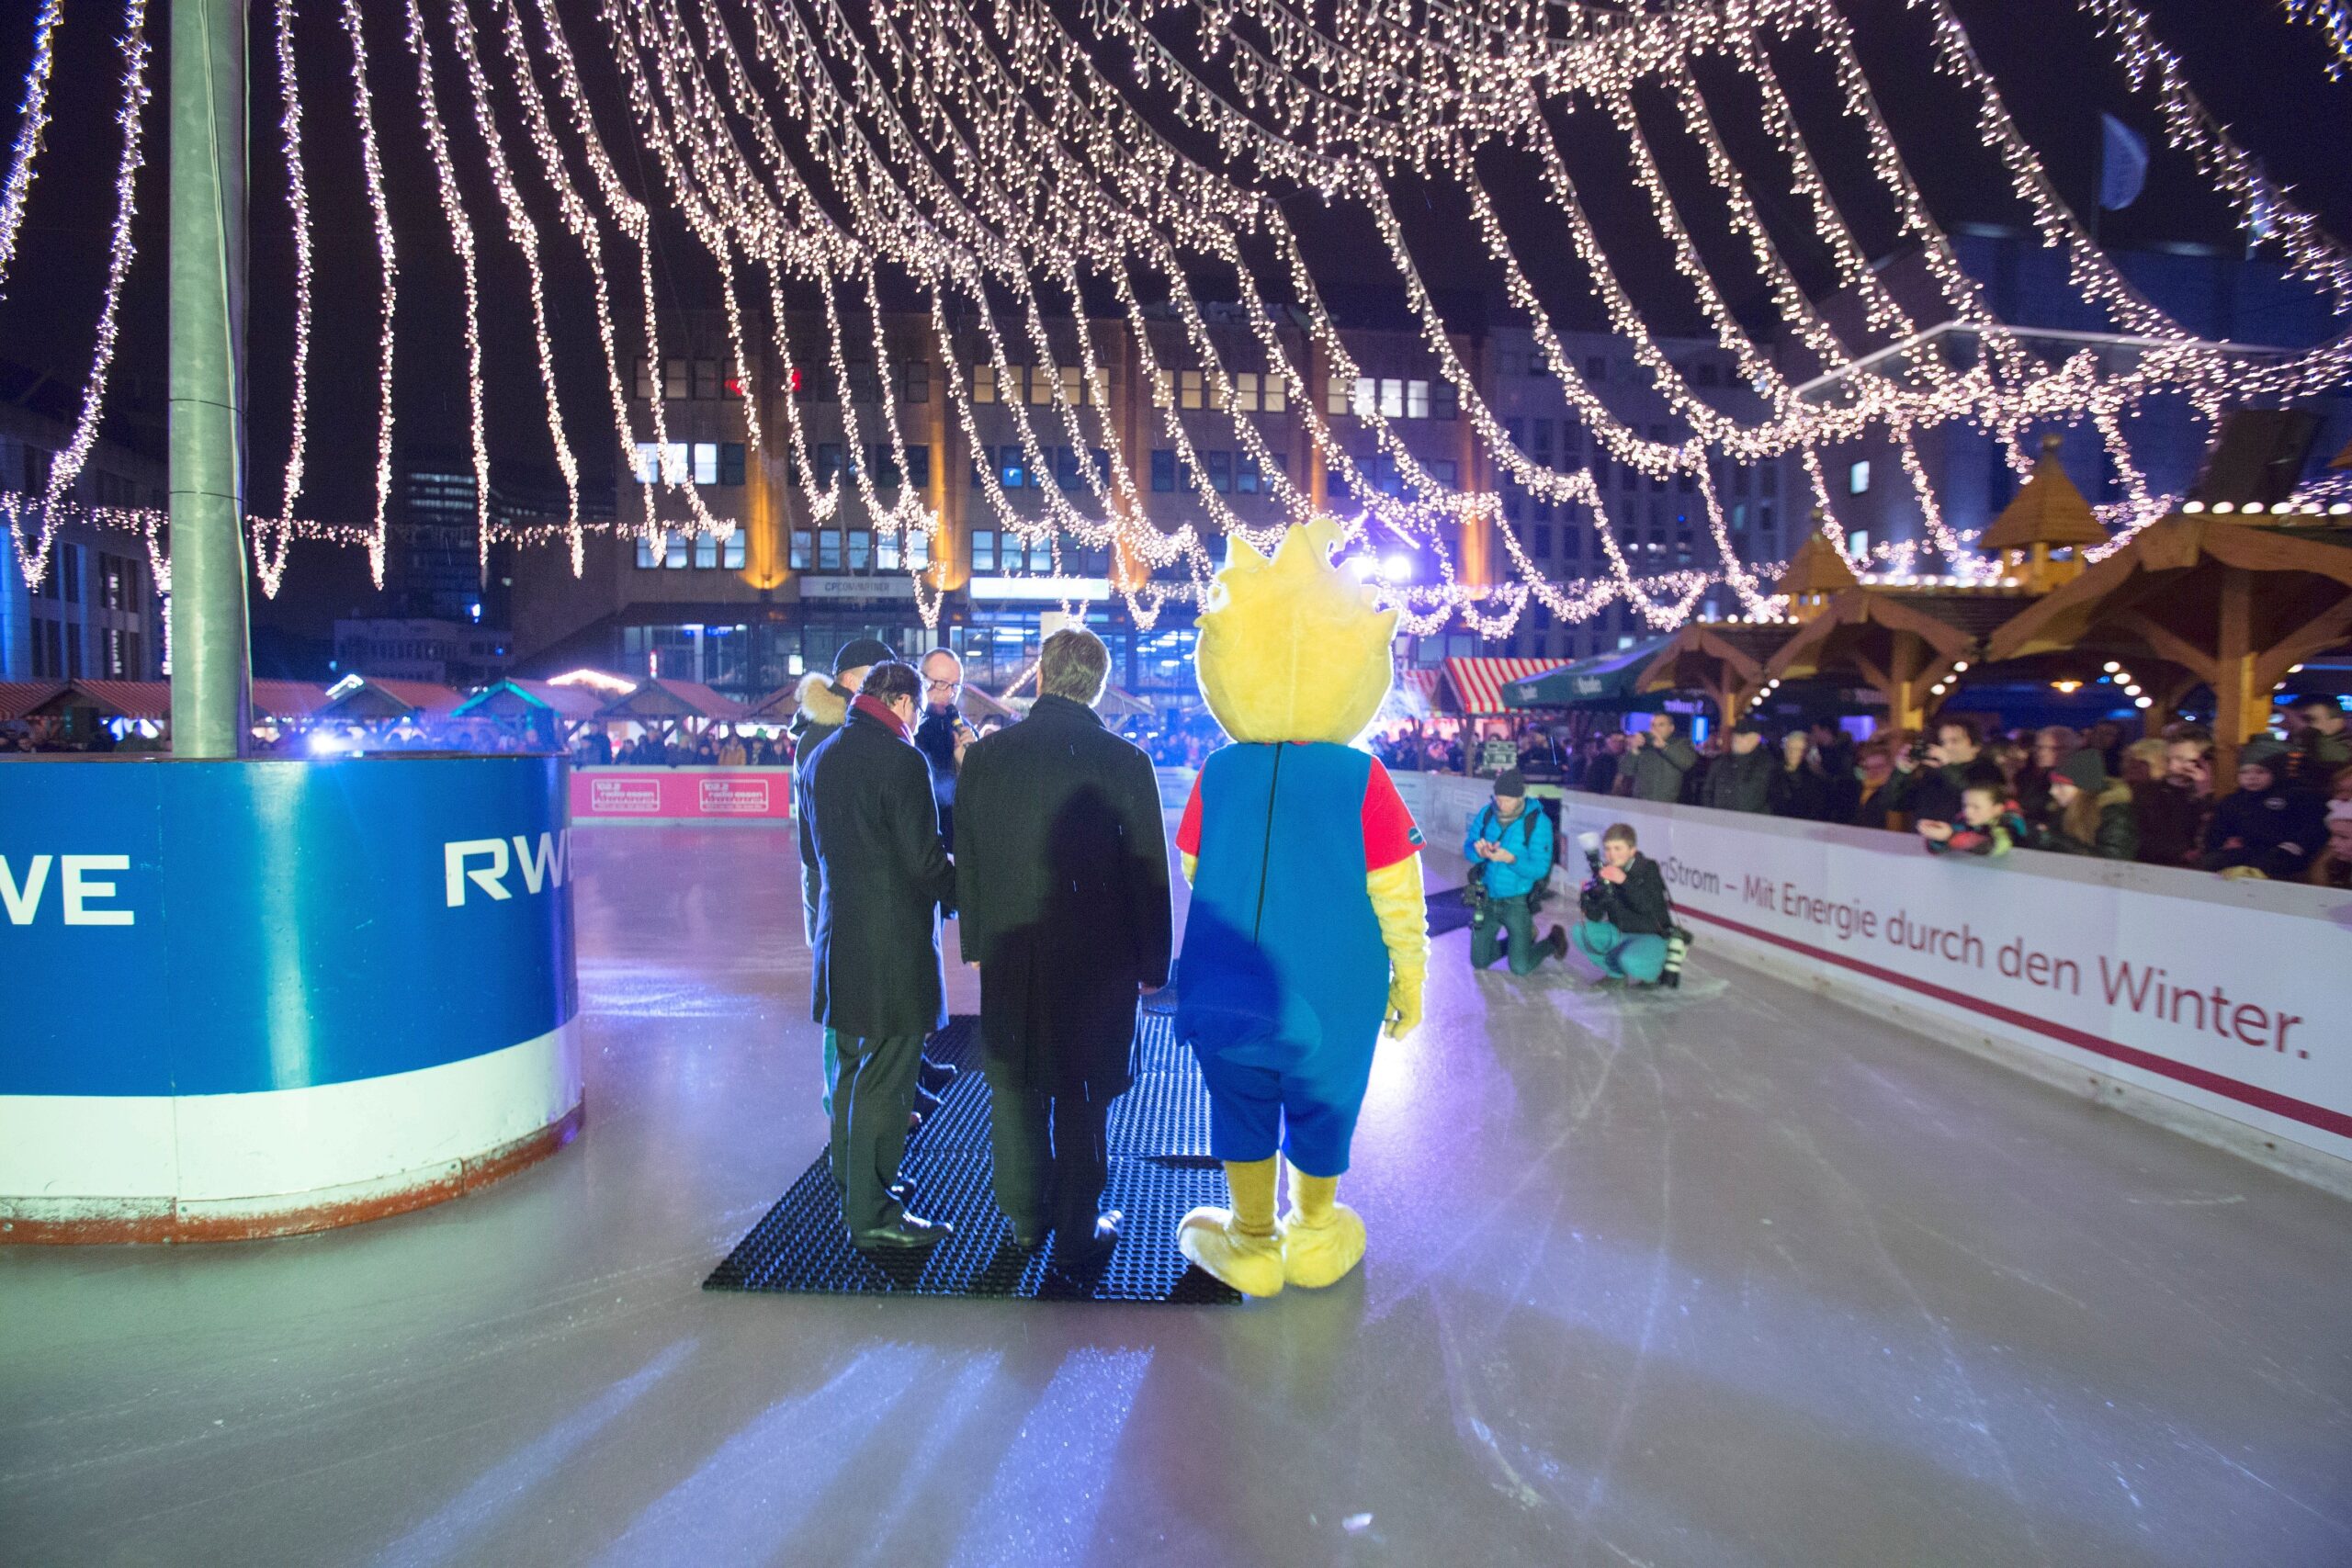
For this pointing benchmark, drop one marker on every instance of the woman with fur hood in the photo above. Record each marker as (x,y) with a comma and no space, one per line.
(2088,813)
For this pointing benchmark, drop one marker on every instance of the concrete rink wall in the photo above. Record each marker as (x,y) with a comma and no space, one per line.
(2214,1007)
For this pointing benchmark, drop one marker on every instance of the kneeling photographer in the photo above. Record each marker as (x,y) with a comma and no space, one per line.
(1628,916)
(1508,846)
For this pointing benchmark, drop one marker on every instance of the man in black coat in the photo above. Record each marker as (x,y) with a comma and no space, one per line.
(874,878)
(1741,779)
(1062,889)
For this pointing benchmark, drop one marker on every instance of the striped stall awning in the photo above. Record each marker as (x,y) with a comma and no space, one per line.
(1479,683)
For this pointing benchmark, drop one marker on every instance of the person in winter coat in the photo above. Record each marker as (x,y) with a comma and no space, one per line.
(2052,744)
(2321,746)
(1988,824)
(1658,767)
(824,702)
(1797,788)
(1874,783)
(2170,809)
(944,733)
(1741,779)
(873,880)
(1509,845)
(1628,913)
(1062,899)
(2087,814)
(1955,760)
(2266,827)
(2333,866)
(1600,768)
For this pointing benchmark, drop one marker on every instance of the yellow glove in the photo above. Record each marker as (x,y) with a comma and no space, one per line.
(1191,861)
(1403,911)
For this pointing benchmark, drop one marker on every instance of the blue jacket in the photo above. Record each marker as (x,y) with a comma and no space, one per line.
(1527,835)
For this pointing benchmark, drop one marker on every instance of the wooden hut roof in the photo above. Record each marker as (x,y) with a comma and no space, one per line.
(2047,510)
(1817,568)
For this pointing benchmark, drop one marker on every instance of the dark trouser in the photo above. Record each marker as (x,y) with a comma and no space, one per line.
(1506,918)
(872,1099)
(1052,1153)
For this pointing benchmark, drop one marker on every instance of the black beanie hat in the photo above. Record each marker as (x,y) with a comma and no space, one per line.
(1511,781)
(859,653)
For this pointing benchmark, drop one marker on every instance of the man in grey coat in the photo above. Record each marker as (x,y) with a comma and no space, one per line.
(1062,888)
(1660,767)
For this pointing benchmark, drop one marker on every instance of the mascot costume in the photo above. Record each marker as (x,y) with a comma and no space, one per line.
(1308,932)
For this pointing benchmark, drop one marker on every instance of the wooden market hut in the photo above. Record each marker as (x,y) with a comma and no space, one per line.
(1725,659)
(2230,602)
(664,706)
(2047,513)
(556,713)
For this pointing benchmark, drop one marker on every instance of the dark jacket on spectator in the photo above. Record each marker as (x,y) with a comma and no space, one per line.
(1874,808)
(1741,782)
(2171,822)
(1800,793)
(1659,770)
(1062,889)
(2280,832)
(2313,758)
(1637,906)
(873,879)
(2116,836)
(1933,793)
(1601,773)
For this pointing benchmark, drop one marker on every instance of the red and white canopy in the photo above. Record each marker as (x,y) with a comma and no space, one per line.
(1479,683)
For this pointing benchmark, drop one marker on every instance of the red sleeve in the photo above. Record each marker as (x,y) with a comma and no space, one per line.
(1188,832)
(1390,834)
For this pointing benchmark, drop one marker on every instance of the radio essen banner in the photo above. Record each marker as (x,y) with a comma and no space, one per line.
(687,795)
(2239,1011)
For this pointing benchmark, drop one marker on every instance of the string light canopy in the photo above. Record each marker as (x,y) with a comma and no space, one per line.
(1006,163)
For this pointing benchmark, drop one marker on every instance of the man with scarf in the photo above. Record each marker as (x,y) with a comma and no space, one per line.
(875,877)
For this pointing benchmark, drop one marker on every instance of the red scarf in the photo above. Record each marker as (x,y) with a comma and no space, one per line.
(876,709)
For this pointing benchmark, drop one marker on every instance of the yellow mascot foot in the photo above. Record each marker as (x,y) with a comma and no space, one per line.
(1250,1264)
(1321,1253)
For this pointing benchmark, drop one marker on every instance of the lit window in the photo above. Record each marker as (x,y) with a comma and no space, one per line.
(983,383)
(1392,398)
(1189,389)
(918,550)
(983,550)
(1858,478)
(1367,399)
(673,378)
(1041,386)
(1336,396)
(674,554)
(1245,392)
(1074,385)
(732,559)
(829,551)
(706,462)
(861,549)
(648,554)
(1276,398)
(659,464)
(1417,400)
(885,552)
(705,551)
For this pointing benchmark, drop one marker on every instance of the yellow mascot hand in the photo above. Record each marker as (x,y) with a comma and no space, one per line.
(1403,910)
(1191,863)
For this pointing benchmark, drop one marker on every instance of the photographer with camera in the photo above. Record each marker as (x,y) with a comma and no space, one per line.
(1628,916)
(1508,846)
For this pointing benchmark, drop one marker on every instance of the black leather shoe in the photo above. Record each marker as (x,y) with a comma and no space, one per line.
(935,1076)
(1029,1238)
(908,1231)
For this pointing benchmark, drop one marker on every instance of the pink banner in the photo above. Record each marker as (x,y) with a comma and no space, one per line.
(681,794)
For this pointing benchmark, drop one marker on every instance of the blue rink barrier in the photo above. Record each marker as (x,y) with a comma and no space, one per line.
(257,997)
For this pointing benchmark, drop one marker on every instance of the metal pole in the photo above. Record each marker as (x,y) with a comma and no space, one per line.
(210,685)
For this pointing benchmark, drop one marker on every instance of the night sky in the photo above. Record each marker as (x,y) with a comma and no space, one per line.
(2260,74)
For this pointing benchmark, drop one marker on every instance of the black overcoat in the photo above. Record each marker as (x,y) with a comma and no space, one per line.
(1062,891)
(872,878)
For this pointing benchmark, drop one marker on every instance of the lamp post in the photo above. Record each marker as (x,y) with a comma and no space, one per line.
(210,685)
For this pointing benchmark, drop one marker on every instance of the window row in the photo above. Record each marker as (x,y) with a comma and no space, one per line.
(1251,392)
(676,552)
(704,380)
(1071,467)
(993,551)
(1229,473)
(1392,398)
(687,462)
(858,550)
(1031,383)
(1380,473)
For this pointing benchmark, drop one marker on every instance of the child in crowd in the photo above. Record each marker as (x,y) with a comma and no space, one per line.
(1988,824)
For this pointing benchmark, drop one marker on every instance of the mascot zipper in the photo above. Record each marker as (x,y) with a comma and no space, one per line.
(1266,854)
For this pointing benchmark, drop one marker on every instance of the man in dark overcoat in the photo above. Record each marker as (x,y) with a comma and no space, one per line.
(874,879)
(1062,889)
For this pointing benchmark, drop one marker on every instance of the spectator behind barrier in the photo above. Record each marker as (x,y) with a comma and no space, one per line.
(2087,813)
(1658,769)
(1874,778)
(1741,779)
(2321,746)
(2171,809)
(1988,824)
(1799,790)
(2265,828)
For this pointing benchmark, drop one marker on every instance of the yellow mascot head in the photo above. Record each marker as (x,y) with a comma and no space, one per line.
(1291,649)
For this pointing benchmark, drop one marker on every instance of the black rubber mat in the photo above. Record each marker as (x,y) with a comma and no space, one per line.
(1160,1169)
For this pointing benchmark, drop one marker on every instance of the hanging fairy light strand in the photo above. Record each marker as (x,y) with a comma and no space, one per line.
(27,146)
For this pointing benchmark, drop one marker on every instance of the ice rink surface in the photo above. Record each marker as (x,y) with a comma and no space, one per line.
(1726,1277)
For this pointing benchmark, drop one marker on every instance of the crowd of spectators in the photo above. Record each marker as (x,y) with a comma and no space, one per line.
(1962,790)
